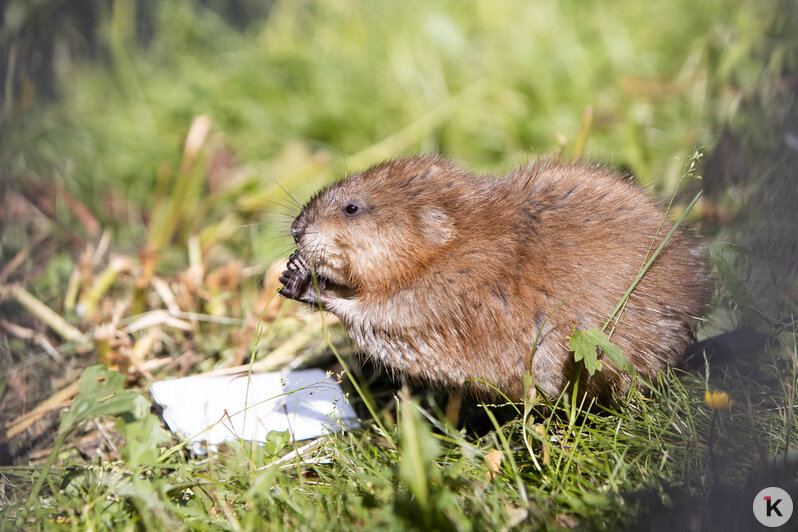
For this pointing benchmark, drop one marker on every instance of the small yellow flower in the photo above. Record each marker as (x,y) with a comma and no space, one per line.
(717,400)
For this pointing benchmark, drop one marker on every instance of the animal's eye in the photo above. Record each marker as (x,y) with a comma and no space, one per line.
(351,209)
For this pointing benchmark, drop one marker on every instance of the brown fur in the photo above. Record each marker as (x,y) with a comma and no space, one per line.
(447,277)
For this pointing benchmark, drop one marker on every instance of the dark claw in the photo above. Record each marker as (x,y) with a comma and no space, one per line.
(296,262)
(298,282)
(294,281)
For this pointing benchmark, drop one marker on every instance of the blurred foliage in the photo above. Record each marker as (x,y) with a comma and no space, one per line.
(282,81)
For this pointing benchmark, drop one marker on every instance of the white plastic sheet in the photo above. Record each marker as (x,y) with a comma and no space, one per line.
(213,409)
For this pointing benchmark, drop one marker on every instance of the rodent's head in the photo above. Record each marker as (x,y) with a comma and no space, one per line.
(378,227)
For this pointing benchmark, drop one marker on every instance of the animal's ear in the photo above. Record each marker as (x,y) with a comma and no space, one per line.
(437,226)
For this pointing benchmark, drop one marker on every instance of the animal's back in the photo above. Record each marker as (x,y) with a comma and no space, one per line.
(597,231)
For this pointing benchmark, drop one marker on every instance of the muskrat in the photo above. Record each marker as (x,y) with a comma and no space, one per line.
(447,277)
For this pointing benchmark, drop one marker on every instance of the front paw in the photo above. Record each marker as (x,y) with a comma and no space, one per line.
(303,289)
(297,262)
(295,283)
(296,278)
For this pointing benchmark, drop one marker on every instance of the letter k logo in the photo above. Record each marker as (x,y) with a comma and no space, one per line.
(772,506)
(777,507)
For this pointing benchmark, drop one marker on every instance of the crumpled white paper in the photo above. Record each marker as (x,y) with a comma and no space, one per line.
(214,409)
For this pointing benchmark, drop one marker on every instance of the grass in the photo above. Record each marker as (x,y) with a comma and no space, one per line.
(140,219)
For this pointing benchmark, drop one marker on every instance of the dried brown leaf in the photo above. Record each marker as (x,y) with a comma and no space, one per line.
(493,462)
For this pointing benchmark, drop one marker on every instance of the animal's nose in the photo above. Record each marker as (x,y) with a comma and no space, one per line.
(296,232)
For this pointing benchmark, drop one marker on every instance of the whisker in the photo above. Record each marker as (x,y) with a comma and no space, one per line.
(282,222)
(288,203)
(343,156)
(251,225)
(287,215)
(296,201)
(284,251)
(273,238)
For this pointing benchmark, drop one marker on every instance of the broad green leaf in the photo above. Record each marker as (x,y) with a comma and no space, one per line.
(585,345)
(276,441)
(143,434)
(101,392)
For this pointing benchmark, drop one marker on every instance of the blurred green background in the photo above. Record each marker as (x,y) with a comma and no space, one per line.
(99,95)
